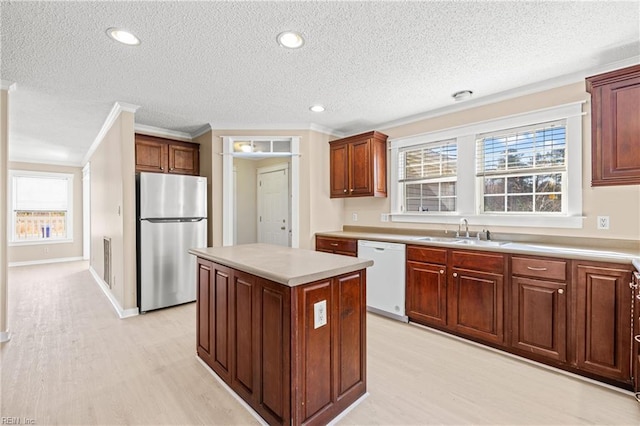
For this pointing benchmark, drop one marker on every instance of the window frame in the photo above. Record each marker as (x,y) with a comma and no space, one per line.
(439,179)
(11,231)
(468,190)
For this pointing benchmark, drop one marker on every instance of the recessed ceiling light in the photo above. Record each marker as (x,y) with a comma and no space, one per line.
(290,39)
(316,108)
(462,95)
(123,36)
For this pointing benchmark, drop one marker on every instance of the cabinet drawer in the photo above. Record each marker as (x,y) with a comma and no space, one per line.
(427,254)
(336,244)
(476,261)
(539,268)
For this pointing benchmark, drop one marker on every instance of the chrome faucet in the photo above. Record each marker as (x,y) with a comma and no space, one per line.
(466,227)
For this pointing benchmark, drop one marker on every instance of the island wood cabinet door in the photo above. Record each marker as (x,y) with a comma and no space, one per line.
(539,306)
(603,319)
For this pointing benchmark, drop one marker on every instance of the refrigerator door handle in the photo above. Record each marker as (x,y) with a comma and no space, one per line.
(189,220)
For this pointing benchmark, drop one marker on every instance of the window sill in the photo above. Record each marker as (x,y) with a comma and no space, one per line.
(492,220)
(38,242)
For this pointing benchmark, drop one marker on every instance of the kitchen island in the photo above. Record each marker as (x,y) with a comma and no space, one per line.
(284,328)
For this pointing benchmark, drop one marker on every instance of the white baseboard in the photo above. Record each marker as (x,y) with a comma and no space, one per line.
(45,261)
(122,313)
(5,336)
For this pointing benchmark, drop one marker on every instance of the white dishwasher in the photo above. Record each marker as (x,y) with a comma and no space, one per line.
(386,278)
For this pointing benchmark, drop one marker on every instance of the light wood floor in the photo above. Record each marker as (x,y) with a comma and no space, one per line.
(72,361)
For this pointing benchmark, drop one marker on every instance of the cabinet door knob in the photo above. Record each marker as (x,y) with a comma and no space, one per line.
(560,291)
(442,271)
(161,168)
(632,285)
(171,168)
(455,274)
(637,338)
(345,190)
(351,190)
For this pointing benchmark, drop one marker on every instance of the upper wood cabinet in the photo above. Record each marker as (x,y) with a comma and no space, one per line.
(159,155)
(359,166)
(615,127)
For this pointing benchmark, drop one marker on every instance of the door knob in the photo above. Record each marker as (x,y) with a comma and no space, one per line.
(282,227)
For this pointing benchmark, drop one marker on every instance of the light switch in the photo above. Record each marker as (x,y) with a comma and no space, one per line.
(319,314)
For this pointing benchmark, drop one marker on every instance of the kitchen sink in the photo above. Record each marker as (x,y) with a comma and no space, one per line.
(464,241)
(484,243)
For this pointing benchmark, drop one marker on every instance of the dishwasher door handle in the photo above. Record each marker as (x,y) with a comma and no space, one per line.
(378,249)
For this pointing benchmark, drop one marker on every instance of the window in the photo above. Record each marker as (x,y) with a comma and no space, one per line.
(523,170)
(427,174)
(40,206)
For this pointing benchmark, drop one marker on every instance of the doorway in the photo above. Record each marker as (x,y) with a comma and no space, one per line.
(242,157)
(274,205)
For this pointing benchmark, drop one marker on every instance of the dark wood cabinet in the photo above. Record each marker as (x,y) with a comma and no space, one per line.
(603,319)
(539,306)
(159,155)
(426,285)
(359,166)
(344,246)
(476,295)
(615,127)
(260,337)
(635,351)
(459,291)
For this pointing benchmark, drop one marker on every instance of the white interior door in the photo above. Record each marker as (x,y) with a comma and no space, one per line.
(273,205)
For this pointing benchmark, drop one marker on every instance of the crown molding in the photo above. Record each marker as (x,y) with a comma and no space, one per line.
(8,85)
(128,107)
(540,86)
(162,133)
(326,130)
(202,130)
(29,160)
(116,110)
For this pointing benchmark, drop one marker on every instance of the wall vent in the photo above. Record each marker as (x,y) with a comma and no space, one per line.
(107,261)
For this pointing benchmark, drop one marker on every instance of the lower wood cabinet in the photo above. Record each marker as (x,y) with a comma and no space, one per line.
(260,338)
(603,319)
(572,314)
(539,306)
(460,291)
(343,246)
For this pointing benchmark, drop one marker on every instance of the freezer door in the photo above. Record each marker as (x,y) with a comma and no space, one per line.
(167,270)
(171,196)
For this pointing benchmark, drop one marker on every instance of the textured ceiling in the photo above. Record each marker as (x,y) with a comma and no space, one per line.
(369,63)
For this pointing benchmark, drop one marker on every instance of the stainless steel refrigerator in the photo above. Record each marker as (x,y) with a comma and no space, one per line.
(172,218)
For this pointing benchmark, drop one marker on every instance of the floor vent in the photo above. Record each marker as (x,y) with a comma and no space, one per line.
(107,261)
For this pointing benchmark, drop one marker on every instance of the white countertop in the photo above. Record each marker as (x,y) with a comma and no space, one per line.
(284,265)
(568,251)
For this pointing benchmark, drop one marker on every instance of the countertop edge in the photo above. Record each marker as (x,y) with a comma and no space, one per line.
(551,250)
(290,281)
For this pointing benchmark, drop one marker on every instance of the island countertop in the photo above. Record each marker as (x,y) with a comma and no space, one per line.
(284,265)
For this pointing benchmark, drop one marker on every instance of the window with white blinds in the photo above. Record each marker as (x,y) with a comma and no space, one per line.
(523,170)
(427,175)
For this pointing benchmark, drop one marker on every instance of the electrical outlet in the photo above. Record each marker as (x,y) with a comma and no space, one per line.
(354,217)
(46,250)
(384,217)
(319,314)
(603,222)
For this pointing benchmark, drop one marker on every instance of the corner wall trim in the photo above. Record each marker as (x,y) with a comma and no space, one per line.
(117,108)
(5,336)
(122,313)
(45,261)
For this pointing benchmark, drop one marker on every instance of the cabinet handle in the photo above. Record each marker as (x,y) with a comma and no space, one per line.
(345,190)
(442,271)
(455,274)
(632,285)
(171,168)
(637,395)
(560,291)
(161,168)
(531,268)
(334,244)
(637,338)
